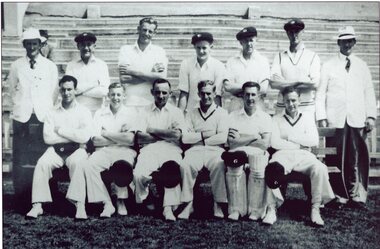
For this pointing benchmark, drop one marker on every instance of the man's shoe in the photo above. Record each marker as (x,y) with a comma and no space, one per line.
(185,214)
(356,205)
(218,213)
(234,216)
(253,217)
(168,214)
(108,210)
(35,211)
(270,217)
(121,209)
(81,211)
(316,218)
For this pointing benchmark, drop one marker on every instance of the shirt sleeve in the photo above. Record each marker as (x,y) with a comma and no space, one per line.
(279,143)
(315,70)
(369,93)
(276,66)
(229,71)
(265,75)
(189,136)
(123,56)
(13,82)
(81,134)
(221,130)
(164,60)
(320,97)
(50,136)
(184,79)
(220,73)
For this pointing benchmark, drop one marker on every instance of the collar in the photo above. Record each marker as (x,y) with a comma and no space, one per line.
(290,120)
(242,112)
(209,112)
(60,107)
(301,48)
(107,110)
(91,60)
(136,47)
(196,63)
(343,57)
(154,108)
(253,56)
(38,59)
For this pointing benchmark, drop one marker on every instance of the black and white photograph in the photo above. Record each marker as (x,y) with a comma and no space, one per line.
(190,124)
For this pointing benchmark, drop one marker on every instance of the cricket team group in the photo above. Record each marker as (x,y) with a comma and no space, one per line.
(134,130)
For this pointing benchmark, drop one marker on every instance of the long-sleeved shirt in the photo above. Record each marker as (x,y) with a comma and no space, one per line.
(74,125)
(32,90)
(93,75)
(215,119)
(344,95)
(303,66)
(138,94)
(290,134)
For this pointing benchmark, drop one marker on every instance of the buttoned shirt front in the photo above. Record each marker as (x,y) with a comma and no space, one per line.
(74,123)
(191,73)
(290,133)
(139,94)
(32,90)
(258,123)
(345,96)
(302,66)
(93,75)
(126,118)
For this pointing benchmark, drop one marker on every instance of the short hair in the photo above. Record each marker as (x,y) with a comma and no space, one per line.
(250,84)
(149,20)
(161,81)
(115,85)
(67,78)
(44,33)
(290,89)
(204,83)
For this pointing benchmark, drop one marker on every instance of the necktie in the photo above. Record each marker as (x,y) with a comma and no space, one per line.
(348,64)
(32,62)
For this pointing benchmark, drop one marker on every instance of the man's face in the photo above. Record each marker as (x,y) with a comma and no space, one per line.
(116,96)
(202,49)
(207,95)
(291,101)
(146,32)
(32,47)
(295,37)
(346,46)
(250,97)
(86,49)
(248,44)
(161,93)
(67,91)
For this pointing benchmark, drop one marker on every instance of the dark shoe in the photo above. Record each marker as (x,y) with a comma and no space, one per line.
(356,205)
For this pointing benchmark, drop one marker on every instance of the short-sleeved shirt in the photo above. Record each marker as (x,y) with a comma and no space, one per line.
(139,94)
(93,74)
(191,73)
(304,65)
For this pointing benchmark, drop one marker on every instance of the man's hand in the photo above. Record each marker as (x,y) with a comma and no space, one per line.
(209,133)
(369,124)
(233,133)
(56,128)
(322,123)
(123,69)
(277,77)
(158,68)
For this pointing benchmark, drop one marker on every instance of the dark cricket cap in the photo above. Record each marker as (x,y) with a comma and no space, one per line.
(294,24)
(246,32)
(202,36)
(274,175)
(235,158)
(86,36)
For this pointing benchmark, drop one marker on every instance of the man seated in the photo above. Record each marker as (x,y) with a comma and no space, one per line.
(113,140)
(294,133)
(158,134)
(250,131)
(207,130)
(66,129)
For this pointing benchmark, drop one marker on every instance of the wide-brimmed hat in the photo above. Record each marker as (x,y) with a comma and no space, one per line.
(346,33)
(30,34)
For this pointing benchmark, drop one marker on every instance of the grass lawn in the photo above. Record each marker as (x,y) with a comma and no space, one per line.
(345,228)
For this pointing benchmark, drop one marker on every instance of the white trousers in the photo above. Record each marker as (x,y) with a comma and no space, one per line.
(102,159)
(150,159)
(195,159)
(49,161)
(306,163)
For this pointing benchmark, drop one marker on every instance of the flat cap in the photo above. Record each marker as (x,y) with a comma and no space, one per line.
(275,175)
(86,36)
(294,24)
(246,32)
(202,36)
(235,158)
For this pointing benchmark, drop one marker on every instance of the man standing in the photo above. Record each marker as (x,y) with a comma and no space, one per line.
(294,133)
(33,82)
(91,73)
(250,131)
(142,63)
(159,134)
(346,101)
(297,67)
(202,67)
(113,140)
(207,133)
(249,65)
(66,129)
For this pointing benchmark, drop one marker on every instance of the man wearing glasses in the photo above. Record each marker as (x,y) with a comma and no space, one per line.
(140,64)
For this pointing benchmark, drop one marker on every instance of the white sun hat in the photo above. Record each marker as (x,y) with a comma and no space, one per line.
(346,33)
(31,33)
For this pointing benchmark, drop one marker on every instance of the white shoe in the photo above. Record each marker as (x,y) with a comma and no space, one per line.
(253,217)
(218,213)
(108,210)
(234,216)
(121,209)
(81,211)
(184,215)
(316,217)
(270,217)
(168,214)
(35,211)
